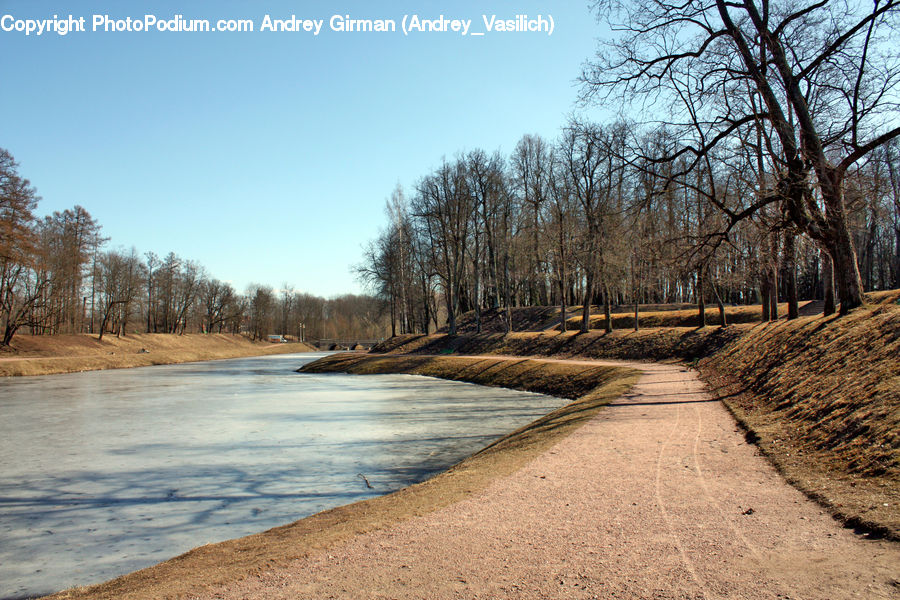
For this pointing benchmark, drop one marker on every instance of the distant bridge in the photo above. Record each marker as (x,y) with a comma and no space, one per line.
(348,344)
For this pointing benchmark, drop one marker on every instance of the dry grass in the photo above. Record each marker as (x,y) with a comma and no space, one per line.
(543,318)
(524,318)
(44,355)
(684,343)
(214,564)
(822,397)
(684,317)
(561,380)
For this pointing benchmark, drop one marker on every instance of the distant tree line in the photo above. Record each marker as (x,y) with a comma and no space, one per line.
(56,277)
(769,171)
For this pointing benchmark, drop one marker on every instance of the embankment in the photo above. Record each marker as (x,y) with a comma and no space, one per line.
(819,395)
(675,343)
(560,380)
(591,387)
(821,398)
(45,355)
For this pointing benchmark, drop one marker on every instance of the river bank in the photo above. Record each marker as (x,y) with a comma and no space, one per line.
(228,562)
(47,355)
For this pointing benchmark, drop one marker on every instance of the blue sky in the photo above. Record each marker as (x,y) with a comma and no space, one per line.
(268,157)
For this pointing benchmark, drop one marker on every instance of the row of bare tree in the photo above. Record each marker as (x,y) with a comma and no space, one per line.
(579,221)
(761,163)
(56,277)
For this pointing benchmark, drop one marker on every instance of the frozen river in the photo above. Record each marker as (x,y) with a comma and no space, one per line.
(105,472)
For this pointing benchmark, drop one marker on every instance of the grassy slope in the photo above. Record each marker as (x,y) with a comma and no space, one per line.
(561,380)
(685,317)
(43,355)
(821,395)
(215,564)
(682,343)
(543,318)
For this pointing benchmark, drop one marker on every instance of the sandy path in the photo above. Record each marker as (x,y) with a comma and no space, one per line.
(659,496)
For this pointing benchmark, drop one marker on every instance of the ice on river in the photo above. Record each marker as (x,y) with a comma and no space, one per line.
(105,472)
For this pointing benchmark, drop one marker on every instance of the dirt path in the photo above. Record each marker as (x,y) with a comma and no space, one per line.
(657,497)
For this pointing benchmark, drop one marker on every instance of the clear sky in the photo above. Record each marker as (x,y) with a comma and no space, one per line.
(268,156)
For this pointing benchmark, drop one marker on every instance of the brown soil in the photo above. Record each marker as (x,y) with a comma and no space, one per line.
(44,355)
(657,496)
(228,562)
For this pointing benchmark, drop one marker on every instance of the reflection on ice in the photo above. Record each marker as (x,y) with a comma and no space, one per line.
(111,471)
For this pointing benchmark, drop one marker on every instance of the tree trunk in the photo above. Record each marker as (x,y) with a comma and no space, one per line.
(425,304)
(828,283)
(848,284)
(477,283)
(772,274)
(451,317)
(477,318)
(586,306)
(506,292)
(789,274)
(562,304)
(106,314)
(839,243)
(8,334)
(723,319)
(896,279)
(607,309)
(701,301)
(773,294)
(393,315)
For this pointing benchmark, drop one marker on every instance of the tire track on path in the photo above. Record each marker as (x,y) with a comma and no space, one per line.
(688,563)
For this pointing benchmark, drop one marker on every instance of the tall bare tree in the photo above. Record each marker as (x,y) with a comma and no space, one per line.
(822,77)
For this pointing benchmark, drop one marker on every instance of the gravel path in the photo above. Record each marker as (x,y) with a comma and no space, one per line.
(657,497)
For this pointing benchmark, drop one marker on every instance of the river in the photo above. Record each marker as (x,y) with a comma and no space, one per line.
(106,472)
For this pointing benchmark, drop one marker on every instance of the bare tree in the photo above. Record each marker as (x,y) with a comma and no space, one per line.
(74,237)
(821,78)
(446,208)
(261,308)
(219,304)
(531,171)
(585,156)
(21,283)
(121,276)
